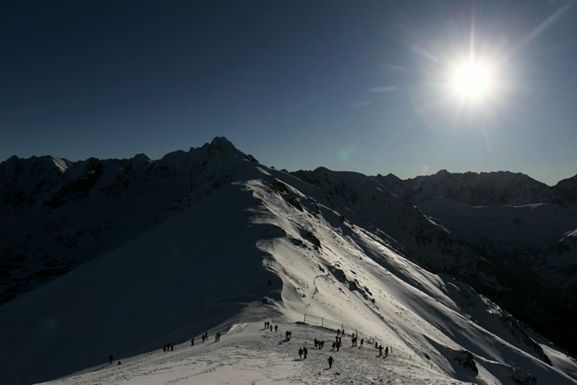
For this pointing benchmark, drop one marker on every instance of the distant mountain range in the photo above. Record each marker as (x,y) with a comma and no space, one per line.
(483,189)
(321,241)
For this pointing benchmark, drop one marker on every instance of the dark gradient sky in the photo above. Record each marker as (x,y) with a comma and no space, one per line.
(345,84)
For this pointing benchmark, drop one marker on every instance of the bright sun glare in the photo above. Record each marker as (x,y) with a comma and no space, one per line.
(472,80)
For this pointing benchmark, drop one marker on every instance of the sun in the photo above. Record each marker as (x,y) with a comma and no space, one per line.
(472,80)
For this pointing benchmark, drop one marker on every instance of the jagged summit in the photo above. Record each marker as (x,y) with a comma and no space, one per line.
(390,181)
(222,142)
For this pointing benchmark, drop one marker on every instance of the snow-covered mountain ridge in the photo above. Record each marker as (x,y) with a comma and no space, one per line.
(518,224)
(259,244)
(57,214)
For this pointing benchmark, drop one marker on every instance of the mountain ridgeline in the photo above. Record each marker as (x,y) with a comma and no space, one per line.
(206,231)
(58,214)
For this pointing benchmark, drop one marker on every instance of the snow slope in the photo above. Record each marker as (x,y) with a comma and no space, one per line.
(515,223)
(249,354)
(258,248)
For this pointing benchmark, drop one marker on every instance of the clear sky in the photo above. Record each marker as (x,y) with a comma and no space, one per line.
(350,85)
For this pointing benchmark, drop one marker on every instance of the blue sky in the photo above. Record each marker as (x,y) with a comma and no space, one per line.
(349,85)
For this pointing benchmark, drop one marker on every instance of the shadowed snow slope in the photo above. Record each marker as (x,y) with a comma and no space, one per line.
(264,242)
(195,270)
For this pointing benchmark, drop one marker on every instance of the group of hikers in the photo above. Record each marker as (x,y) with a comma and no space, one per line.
(380,347)
(204,338)
(302,352)
(169,347)
(336,345)
(319,344)
(270,326)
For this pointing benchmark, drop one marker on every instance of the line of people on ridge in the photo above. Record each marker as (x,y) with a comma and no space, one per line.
(169,347)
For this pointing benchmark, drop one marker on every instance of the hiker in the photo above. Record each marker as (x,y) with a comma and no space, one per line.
(362,341)
(275,328)
(316,343)
(171,347)
(192,341)
(301,353)
(321,344)
(110,359)
(330,360)
(305,352)
(386,351)
(376,345)
(380,350)
(270,327)
(338,332)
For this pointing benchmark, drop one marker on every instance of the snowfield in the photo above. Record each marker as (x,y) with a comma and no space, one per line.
(249,354)
(265,247)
